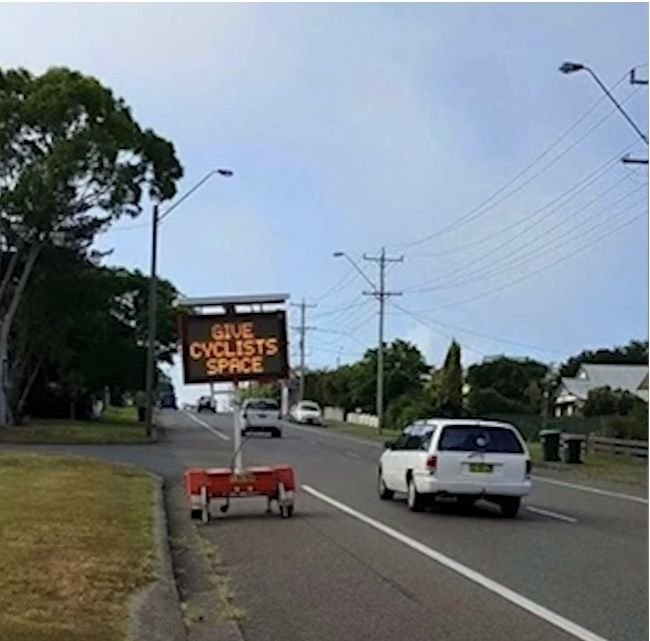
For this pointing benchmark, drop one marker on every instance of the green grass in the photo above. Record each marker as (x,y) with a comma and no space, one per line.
(117,425)
(76,541)
(121,415)
(364,431)
(597,467)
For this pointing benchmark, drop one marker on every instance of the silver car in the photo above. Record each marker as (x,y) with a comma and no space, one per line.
(261,415)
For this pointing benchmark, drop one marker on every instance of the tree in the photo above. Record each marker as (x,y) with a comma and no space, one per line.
(604,401)
(634,353)
(354,386)
(510,377)
(101,344)
(451,394)
(486,400)
(72,160)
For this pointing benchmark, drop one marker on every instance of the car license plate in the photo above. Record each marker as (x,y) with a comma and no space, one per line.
(483,468)
(262,415)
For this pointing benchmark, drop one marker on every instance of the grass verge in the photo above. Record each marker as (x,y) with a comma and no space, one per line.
(117,425)
(221,582)
(597,467)
(76,541)
(363,431)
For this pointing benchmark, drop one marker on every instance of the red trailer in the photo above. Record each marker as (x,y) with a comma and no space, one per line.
(203,486)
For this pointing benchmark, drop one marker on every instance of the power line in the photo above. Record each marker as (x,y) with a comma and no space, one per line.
(483,207)
(337,311)
(427,323)
(540,270)
(501,257)
(584,181)
(482,273)
(496,339)
(568,194)
(341,284)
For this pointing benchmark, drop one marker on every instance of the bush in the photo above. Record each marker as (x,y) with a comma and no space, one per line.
(603,401)
(488,400)
(408,408)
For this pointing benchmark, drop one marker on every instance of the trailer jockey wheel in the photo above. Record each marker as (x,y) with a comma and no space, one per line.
(205,505)
(285,503)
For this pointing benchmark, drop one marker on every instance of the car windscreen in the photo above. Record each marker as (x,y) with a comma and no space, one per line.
(471,438)
(263,405)
(312,407)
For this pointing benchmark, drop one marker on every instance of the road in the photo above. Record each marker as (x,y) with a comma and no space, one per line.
(348,566)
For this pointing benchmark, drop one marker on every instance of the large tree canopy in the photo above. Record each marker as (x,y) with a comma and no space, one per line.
(72,160)
(95,332)
(634,353)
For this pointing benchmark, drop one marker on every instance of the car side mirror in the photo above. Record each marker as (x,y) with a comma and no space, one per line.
(389,445)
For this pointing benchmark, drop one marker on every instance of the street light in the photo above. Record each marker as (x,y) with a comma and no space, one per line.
(380,294)
(572,67)
(340,254)
(153,287)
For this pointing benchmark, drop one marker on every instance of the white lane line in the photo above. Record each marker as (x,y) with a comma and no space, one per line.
(352,455)
(553,515)
(476,577)
(593,490)
(214,430)
(337,437)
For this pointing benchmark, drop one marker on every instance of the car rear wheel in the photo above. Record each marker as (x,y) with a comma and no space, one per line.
(510,506)
(384,493)
(414,499)
(276,433)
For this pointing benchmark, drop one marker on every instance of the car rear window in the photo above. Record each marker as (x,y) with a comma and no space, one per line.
(471,438)
(309,406)
(263,405)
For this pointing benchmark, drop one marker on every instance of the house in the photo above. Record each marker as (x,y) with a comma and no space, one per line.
(573,392)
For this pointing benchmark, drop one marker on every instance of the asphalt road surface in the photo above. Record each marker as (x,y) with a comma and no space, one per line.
(348,566)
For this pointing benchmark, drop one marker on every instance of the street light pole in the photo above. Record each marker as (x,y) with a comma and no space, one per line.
(151,333)
(153,294)
(572,67)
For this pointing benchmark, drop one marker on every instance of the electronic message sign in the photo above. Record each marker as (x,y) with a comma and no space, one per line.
(234,347)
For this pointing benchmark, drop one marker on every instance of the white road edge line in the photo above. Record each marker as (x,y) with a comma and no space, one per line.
(214,430)
(593,490)
(553,515)
(476,577)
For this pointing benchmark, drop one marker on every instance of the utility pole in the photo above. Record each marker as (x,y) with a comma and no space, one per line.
(302,329)
(381,295)
(153,308)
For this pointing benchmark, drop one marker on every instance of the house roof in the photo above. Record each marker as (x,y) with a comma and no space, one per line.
(631,378)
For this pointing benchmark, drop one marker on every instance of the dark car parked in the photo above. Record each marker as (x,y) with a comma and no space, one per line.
(168,401)
(206,404)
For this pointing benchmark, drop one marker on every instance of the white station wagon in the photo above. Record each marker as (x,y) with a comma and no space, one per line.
(466,459)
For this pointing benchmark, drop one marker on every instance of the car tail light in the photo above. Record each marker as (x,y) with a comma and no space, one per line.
(432,461)
(529,467)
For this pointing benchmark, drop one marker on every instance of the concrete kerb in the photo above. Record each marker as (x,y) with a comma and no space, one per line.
(156,611)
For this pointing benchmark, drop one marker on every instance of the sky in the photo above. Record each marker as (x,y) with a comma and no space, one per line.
(352,127)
